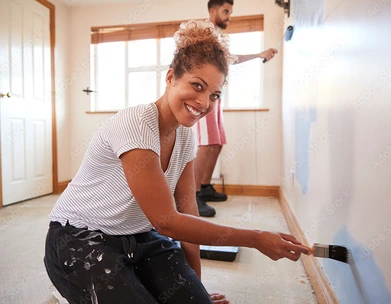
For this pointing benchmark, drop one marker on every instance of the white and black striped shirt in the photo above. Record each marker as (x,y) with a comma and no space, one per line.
(99,196)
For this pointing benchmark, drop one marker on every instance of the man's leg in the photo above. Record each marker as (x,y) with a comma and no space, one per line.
(205,163)
(210,136)
(204,166)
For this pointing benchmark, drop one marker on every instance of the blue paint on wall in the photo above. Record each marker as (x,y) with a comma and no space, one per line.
(362,281)
(304,118)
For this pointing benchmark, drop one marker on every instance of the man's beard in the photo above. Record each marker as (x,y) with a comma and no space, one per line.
(222,25)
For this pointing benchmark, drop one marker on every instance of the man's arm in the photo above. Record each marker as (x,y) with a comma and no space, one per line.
(268,54)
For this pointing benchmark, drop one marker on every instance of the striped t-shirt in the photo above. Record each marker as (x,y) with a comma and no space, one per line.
(99,196)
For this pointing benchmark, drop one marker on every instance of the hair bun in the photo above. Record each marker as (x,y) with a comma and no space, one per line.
(199,31)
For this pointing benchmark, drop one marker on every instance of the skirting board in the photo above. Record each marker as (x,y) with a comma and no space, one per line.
(322,286)
(248,190)
(245,190)
(61,186)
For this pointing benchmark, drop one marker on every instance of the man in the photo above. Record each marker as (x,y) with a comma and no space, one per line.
(210,129)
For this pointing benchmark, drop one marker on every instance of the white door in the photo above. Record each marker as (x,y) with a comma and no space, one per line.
(26,116)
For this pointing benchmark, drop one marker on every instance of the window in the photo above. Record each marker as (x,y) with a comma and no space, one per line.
(129,64)
(245,80)
(129,73)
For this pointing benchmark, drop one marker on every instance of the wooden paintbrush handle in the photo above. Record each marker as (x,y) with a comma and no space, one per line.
(311,249)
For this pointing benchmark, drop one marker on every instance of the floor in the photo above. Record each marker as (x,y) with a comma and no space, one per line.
(251,278)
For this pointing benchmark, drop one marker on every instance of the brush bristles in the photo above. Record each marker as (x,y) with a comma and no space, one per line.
(339,253)
(335,252)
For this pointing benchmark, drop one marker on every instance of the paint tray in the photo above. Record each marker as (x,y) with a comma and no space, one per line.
(220,253)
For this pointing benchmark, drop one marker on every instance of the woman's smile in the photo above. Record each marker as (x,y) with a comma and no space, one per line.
(193,111)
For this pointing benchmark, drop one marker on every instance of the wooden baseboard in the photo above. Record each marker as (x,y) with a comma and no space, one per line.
(248,190)
(61,186)
(322,287)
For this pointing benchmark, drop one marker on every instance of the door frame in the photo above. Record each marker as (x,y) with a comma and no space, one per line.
(52,11)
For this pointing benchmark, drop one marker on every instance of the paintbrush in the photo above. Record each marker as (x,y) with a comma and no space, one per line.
(335,252)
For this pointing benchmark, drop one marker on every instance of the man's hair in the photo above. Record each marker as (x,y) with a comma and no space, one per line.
(214,3)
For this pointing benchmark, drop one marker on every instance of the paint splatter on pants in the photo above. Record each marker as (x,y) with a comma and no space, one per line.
(89,267)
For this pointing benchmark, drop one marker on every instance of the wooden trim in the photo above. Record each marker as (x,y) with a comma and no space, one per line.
(52,10)
(141,25)
(61,186)
(155,30)
(322,286)
(49,5)
(248,190)
(245,24)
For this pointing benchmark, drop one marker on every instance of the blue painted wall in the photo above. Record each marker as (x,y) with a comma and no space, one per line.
(337,138)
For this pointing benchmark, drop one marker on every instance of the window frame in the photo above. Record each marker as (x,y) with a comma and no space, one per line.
(102,34)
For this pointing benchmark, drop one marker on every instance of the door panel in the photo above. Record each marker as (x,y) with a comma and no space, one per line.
(26,117)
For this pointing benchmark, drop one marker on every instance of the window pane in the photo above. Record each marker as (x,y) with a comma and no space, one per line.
(167,48)
(245,43)
(244,85)
(163,82)
(142,88)
(142,52)
(245,82)
(110,76)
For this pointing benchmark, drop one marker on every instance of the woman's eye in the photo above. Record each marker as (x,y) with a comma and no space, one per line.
(215,97)
(197,86)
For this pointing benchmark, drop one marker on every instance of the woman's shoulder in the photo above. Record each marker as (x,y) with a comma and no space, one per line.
(144,114)
(136,119)
(138,111)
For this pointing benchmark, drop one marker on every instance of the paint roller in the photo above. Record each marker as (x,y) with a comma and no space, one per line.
(288,36)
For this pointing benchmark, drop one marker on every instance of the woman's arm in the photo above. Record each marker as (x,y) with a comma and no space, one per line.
(185,199)
(151,190)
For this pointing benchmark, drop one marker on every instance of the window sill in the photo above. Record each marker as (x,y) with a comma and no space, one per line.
(224,110)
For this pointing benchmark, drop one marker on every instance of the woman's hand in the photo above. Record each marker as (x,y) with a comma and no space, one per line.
(280,245)
(218,298)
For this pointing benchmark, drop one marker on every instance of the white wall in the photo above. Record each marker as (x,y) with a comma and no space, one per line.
(62,59)
(336,138)
(252,155)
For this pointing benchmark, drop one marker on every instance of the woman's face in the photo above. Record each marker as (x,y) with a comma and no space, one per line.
(195,94)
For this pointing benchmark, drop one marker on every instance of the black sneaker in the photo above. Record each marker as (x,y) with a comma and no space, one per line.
(209,194)
(203,208)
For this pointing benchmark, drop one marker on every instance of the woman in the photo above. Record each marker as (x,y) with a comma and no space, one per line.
(108,240)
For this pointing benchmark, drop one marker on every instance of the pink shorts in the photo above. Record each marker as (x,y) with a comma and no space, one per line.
(209,130)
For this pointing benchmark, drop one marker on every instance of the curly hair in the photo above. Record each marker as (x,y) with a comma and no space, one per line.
(199,43)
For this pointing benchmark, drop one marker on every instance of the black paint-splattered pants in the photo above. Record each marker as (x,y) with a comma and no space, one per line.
(89,267)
